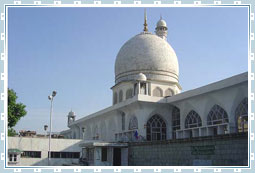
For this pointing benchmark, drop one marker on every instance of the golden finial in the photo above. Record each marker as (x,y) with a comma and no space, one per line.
(145,21)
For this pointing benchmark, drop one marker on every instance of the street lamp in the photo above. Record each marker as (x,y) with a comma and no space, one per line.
(51,108)
(45,129)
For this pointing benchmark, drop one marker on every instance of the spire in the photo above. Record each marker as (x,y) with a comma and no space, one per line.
(161,17)
(145,21)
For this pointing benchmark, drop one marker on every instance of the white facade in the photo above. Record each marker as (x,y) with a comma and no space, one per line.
(34,151)
(148,104)
(147,84)
(108,125)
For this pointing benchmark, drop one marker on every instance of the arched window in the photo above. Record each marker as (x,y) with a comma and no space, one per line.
(175,121)
(135,89)
(129,93)
(193,120)
(241,114)
(103,131)
(217,115)
(168,92)
(157,92)
(143,88)
(115,97)
(88,134)
(156,129)
(123,120)
(95,133)
(133,123)
(120,96)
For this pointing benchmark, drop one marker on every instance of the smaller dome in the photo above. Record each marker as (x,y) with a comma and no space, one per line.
(71,114)
(161,22)
(140,77)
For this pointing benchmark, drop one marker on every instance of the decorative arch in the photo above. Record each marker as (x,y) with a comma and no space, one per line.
(156,128)
(115,98)
(157,92)
(123,121)
(193,120)
(95,132)
(133,123)
(241,114)
(88,132)
(175,121)
(120,96)
(111,123)
(169,92)
(129,93)
(217,115)
(103,132)
(143,88)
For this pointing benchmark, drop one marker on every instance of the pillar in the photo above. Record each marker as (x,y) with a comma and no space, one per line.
(138,92)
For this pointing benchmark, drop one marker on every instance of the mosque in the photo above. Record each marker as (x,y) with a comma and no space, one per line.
(148,105)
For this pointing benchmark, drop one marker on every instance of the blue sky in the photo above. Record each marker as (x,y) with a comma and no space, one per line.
(73,50)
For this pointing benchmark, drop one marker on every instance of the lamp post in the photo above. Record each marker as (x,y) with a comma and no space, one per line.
(51,108)
(45,129)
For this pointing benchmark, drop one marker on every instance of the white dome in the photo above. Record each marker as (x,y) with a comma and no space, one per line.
(148,54)
(161,22)
(140,77)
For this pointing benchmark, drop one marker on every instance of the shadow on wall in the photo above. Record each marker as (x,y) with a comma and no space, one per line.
(71,157)
(38,156)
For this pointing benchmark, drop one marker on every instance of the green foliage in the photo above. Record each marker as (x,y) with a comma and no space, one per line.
(15,110)
(11,132)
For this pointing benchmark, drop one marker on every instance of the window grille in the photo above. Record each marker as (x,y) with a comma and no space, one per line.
(133,123)
(123,121)
(31,154)
(241,114)
(193,120)
(175,121)
(217,115)
(156,128)
(65,155)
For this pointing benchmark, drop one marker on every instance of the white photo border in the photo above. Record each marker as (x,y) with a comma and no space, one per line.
(5,4)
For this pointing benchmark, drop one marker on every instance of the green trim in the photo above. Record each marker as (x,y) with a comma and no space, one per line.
(14,150)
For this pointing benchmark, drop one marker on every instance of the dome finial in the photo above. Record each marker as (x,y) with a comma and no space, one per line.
(145,21)
(161,29)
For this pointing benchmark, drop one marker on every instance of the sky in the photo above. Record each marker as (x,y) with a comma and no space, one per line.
(73,51)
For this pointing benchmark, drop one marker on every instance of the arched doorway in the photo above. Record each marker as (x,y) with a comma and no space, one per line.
(156,128)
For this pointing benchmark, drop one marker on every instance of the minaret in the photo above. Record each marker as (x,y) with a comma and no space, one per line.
(71,117)
(161,29)
(145,29)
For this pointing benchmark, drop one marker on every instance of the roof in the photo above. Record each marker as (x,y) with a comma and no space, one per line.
(14,150)
(228,82)
(102,144)
(234,80)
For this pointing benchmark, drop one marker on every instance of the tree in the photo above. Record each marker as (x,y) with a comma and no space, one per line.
(15,111)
